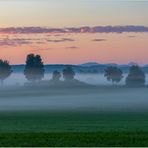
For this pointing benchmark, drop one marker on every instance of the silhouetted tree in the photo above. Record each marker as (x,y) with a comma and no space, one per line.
(5,70)
(56,75)
(113,74)
(136,76)
(68,73)
(34,69)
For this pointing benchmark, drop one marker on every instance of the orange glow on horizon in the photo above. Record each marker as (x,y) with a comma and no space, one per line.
(114,48)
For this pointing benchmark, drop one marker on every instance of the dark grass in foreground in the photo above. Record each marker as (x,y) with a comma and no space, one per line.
(75,139)
(73,128)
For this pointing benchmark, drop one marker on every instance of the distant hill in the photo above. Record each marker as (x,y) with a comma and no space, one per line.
(91,67)
(90,64)
(132,63)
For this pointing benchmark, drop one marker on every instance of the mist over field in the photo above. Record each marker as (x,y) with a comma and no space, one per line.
(94,79)
(16,96)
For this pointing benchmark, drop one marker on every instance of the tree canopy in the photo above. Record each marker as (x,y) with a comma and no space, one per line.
(5,70)
(136,76)
(34,68)
(68,73)
(113,74)
(56,75)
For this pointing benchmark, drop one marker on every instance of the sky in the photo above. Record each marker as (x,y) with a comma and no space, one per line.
(74,48)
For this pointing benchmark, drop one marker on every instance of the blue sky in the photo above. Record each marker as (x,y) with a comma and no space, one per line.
(63,13)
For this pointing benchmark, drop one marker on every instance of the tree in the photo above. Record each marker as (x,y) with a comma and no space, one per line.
(136,76)
(113,74)
(68,73)
(5,70)
(56,76)
(34,69)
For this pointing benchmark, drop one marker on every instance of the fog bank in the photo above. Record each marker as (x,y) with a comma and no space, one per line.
(94,79)
(75,98)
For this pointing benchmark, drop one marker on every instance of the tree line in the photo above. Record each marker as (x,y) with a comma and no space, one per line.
(34,71)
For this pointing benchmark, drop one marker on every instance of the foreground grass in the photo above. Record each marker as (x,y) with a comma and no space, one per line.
(73,129)
(75,139)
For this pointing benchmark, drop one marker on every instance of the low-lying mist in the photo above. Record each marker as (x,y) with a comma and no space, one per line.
(94,79)
(100,97)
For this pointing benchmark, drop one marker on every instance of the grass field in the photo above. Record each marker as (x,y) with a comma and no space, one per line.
(73,129)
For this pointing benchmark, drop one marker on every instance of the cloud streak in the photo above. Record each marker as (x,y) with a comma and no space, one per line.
(14,42)
(30,41)
(61,40)
(98,40)
(87,29)
(72,47)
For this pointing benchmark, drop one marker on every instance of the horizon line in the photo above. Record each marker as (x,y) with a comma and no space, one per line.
(95,63)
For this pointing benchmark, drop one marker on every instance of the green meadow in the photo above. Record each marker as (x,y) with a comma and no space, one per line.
(43,128)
